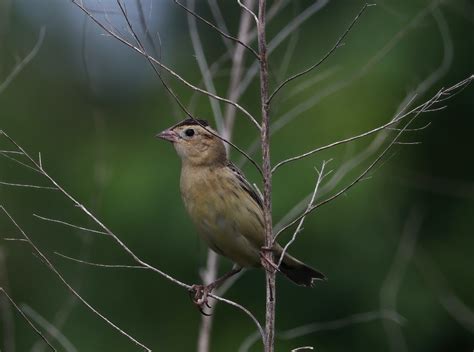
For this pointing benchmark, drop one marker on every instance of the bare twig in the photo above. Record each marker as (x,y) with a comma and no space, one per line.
(279,38)
(70,225)
(18,161)
(217,29)
(26,185)
(298,110)
(152,62)
(149,37)
(150,58)
(111,266)
(219,18)
(324,58)
(299,228)
(267,256)
(10,152)
(422,88)
(392,122)
(417,112)
(24,316)
(19,67)
(69,287)
(202,62)
(117,240)
(246,8)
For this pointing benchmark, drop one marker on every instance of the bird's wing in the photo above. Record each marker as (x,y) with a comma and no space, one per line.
(246,184)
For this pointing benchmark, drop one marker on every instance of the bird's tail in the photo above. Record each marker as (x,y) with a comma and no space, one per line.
(298,272)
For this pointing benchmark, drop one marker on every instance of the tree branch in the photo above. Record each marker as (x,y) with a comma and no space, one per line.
(166,68)
(46,261)
(268,257)
(299,228)
(324,58)
(24,316)
(116,239)
(217,29)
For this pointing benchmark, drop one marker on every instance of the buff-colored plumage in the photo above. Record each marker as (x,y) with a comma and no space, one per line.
(223,206)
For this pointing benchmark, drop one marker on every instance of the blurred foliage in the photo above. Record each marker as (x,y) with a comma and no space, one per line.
(91,107)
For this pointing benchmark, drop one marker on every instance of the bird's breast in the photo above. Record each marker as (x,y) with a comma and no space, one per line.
(224,218)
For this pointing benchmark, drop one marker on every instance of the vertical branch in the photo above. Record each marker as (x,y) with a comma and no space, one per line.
(268,257)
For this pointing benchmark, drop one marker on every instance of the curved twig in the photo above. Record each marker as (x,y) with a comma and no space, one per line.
(324,58)
(163,66)
(116,239)
(218,30)
(40,334)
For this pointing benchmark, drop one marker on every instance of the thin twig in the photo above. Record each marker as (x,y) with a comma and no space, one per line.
(70,225)
(152,63)
(324,58)
(18,161)
(242,5)
(426,105)
(117,240)
(422,88)
(39,333)
(26,185)
(69,287)
(310,204)
(217,29)
(278,39)
(166,68)
(368,133)
(202,62)
(10,152)
(112,266)
(298,110)
(219,18)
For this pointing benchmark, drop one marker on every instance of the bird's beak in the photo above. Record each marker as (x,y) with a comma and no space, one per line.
(168,135)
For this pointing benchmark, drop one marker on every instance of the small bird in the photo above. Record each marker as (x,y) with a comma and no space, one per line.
(224,207)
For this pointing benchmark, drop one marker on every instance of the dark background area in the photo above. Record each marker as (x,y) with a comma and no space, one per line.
(91,106)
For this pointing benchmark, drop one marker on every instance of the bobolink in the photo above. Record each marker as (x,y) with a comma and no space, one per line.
(223,206)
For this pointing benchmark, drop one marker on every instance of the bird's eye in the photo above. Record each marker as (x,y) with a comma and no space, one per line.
(189,132)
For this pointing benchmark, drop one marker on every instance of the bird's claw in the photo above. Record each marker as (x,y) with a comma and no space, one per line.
(199,294)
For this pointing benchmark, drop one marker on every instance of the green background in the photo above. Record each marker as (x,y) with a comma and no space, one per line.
(92,107)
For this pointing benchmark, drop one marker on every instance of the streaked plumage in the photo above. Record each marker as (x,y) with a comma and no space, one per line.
(222,204)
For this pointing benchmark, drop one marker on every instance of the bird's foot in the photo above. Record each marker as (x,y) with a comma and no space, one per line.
(200,296)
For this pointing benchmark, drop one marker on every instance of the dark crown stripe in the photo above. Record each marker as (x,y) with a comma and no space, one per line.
(192,122)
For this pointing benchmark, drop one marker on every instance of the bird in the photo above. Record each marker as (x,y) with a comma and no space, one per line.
(225,208)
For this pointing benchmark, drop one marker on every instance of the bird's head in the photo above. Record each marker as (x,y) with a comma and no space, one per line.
(195,143)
